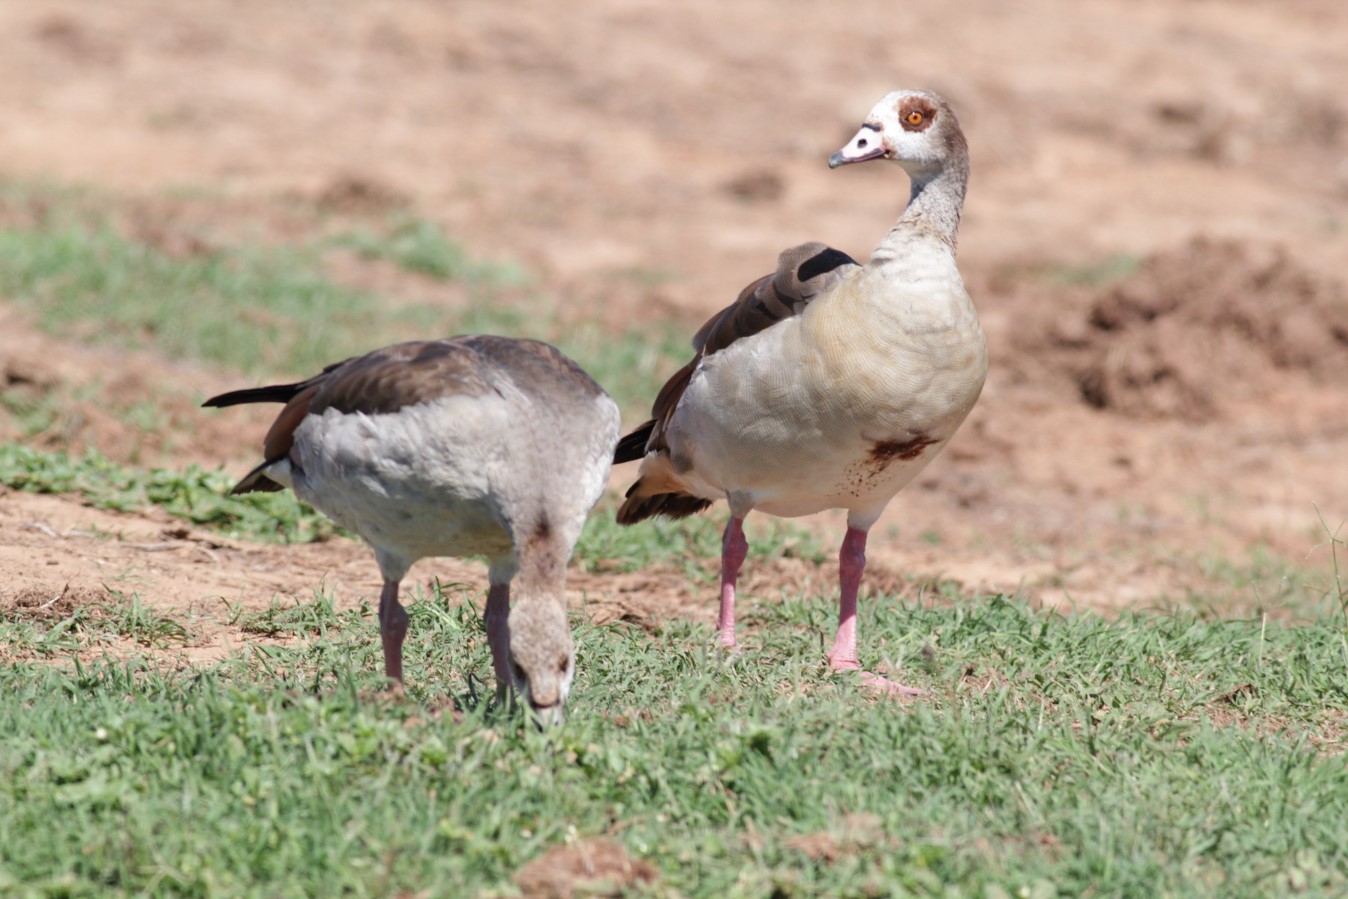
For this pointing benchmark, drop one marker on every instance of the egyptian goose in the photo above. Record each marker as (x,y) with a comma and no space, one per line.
(828,384)
(471,445)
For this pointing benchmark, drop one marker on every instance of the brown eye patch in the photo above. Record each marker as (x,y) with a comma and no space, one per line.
(916,114)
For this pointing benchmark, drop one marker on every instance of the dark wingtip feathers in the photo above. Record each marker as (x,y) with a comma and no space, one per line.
(633,446)
(670,505)
(823,262)
(277,393)
(256,481)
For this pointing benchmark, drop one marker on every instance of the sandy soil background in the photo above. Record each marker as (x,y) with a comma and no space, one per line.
(1139,439)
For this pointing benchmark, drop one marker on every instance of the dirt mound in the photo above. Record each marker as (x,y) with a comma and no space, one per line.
(1198,327)
(41,605)
(593,867)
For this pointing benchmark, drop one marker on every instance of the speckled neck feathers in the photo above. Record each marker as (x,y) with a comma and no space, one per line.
(935,202)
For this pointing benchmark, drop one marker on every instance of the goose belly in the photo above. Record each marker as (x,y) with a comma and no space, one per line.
(794,430)
(816,463)
(416,482)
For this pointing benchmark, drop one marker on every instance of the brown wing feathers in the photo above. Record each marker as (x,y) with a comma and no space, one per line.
(382,381)
(803,273)
(404,374)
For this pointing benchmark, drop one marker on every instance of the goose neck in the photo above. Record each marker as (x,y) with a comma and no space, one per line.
(933,212)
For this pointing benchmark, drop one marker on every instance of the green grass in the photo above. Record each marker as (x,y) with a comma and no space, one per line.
(691,544)
(1059,755)
(25,635)
(84,624)
(202,498)
(423,247)
(270,310)
(193,494)
(128,617)
(249,308)
(288,619)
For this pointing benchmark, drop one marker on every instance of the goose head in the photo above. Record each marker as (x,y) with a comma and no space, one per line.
(542,657)
(915,129)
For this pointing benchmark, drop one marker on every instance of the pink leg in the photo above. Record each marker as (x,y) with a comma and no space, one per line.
(392,630)
(733,550)
(843,656)
(497,619)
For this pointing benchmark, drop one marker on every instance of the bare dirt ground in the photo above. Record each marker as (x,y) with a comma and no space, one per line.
(1137,437)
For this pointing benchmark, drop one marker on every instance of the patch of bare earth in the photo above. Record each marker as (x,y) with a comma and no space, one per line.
(91,397)
(853,832)
(37,604)
(56,547)
(592,867)
(60,555)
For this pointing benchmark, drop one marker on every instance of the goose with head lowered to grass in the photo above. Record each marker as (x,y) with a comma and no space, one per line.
(472,445)
(828,384)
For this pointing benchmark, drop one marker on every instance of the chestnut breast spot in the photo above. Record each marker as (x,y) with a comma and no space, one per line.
(883,452)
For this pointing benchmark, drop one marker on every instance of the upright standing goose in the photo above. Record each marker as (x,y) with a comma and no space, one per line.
(473,445)
(828,384)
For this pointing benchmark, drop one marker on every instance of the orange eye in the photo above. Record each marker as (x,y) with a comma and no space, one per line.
(913,118)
